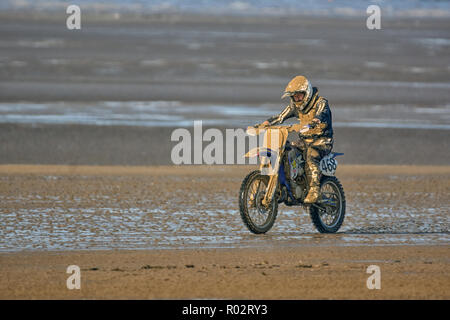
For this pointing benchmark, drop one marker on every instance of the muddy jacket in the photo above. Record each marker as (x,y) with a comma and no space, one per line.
(318,109)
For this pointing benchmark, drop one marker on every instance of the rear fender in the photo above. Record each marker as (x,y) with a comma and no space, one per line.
(336,154)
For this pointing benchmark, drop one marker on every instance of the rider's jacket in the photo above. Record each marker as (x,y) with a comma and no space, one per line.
(317,108)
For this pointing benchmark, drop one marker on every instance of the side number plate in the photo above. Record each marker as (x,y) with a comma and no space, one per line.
(328,165)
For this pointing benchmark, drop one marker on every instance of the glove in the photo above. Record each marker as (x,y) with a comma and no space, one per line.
(300,144)
(264,124)
(312,125)
(305,128)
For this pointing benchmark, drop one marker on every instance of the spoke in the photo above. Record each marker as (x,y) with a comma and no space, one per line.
(253,189)
(331,202)
(259,185)
(256,213)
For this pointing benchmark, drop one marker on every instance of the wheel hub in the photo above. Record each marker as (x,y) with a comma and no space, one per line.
(259,206)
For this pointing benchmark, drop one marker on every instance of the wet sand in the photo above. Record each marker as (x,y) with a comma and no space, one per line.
(71,194)
(219,60)
(119,207)
(222,59)
(411,272)
(186,223)
(130,145)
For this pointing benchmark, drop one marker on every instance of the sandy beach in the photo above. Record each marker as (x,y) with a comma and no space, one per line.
(86,176)
(192,244)
(407,272)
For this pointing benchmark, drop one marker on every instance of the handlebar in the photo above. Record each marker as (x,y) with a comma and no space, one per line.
(290,128)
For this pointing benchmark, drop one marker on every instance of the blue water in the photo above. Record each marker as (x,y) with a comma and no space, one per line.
(247,7)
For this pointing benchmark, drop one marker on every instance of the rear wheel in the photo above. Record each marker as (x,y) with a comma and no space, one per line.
(328,213)
(257,217)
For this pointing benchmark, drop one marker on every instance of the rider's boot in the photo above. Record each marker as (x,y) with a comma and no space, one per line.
(314,183)
(313,195)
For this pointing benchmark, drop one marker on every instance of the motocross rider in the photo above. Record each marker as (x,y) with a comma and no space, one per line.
(316,128)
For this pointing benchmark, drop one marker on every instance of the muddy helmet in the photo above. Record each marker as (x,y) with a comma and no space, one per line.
(298,84)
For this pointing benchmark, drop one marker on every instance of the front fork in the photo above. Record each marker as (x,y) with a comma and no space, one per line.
(270,191)
(277,179)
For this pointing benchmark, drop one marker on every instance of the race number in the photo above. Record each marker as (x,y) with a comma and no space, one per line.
(328,165)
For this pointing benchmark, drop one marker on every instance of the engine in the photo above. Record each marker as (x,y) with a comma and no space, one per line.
(296,169)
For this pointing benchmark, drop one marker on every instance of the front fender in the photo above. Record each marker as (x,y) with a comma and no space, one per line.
(259,151)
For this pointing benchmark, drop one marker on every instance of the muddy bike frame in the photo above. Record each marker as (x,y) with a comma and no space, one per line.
(271,153)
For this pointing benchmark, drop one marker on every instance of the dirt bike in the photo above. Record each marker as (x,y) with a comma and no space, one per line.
(282,179)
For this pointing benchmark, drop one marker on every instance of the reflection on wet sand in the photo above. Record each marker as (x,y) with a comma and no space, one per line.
(196,207)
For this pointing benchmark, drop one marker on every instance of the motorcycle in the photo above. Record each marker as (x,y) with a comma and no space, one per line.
(281,178)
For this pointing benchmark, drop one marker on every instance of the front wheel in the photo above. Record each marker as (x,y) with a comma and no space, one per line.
(328,213)
(257,217)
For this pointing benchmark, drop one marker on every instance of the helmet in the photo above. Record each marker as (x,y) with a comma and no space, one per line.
(299,84)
